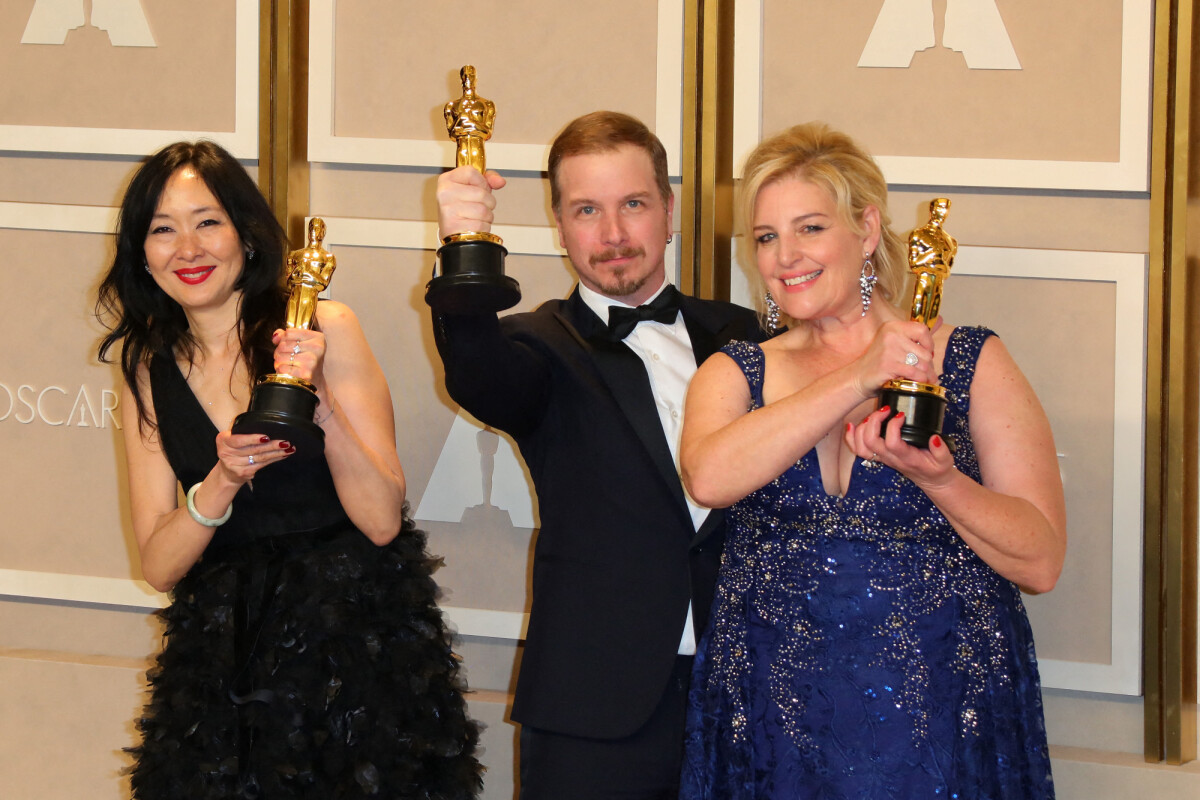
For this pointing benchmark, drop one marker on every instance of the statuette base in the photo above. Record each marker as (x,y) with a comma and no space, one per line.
(472,279)
(282,407)
(923,406)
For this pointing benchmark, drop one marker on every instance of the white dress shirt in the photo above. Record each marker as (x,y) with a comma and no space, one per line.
(666,351)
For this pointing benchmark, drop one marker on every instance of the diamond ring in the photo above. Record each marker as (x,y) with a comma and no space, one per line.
(911,359)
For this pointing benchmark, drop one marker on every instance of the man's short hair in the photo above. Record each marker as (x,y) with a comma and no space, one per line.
(603,131)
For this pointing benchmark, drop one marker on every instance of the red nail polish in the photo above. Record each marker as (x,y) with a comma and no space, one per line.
(264,439)
(935,441)
(285,445)
(848,427)
(290,450)
(885,409)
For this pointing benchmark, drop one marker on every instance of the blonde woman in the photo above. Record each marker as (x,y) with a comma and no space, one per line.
(867,638)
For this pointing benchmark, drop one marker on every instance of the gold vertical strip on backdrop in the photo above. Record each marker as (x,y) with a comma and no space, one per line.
(1169,648)
(283,111)
(706,204)
(1181,575)
(1153,481)
(689,152)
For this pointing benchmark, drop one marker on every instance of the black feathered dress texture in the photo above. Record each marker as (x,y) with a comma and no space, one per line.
(300,660)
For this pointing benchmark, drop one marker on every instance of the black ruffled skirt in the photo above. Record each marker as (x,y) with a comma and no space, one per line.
(311,666)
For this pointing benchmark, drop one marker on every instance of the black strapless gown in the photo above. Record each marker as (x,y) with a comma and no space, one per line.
(300,660)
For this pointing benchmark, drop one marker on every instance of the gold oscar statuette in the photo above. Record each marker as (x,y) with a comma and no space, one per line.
(283,406)
(470,275)
(931,254)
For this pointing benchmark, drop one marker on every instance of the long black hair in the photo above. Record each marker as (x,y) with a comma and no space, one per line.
(141,316)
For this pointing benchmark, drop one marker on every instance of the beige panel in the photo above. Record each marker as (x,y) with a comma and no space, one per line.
(64,726)
(1043,221)
(1063,104)
(1061,334)
(69,181)
(61,485)
(490,664)
(396,64)
(185,83)
(489,563)
(83,631)
(409,193)
(1095,721)
(1093,775)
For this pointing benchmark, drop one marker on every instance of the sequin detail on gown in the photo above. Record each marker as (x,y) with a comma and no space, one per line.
(858,648)
(300,660)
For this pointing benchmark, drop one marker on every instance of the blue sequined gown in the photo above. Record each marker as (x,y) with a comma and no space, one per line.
(858,648)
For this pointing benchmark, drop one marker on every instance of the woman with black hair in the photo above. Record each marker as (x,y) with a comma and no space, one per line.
(304,653)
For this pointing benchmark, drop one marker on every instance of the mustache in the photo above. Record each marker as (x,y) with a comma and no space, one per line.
(614,253)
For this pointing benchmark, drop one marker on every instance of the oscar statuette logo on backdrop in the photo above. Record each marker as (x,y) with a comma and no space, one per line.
(971,27)
(123,20)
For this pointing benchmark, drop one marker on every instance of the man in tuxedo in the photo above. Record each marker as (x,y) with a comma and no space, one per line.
(592,390)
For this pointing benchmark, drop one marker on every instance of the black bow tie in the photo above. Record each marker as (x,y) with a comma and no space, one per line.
(664,308)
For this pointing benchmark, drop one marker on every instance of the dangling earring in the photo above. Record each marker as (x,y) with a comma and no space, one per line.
(772,313)
(866,283)
(249,253)
(670,237)
(146,264)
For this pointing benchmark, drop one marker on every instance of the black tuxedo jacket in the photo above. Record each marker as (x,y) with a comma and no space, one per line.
(617,557)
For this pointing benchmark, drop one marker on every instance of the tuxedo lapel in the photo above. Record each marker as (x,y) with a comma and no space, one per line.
(625,376)
(704,328)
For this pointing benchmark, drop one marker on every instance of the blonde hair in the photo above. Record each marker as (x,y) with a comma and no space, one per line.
(831,160)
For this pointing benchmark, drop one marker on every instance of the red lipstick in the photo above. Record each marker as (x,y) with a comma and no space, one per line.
(193,277)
